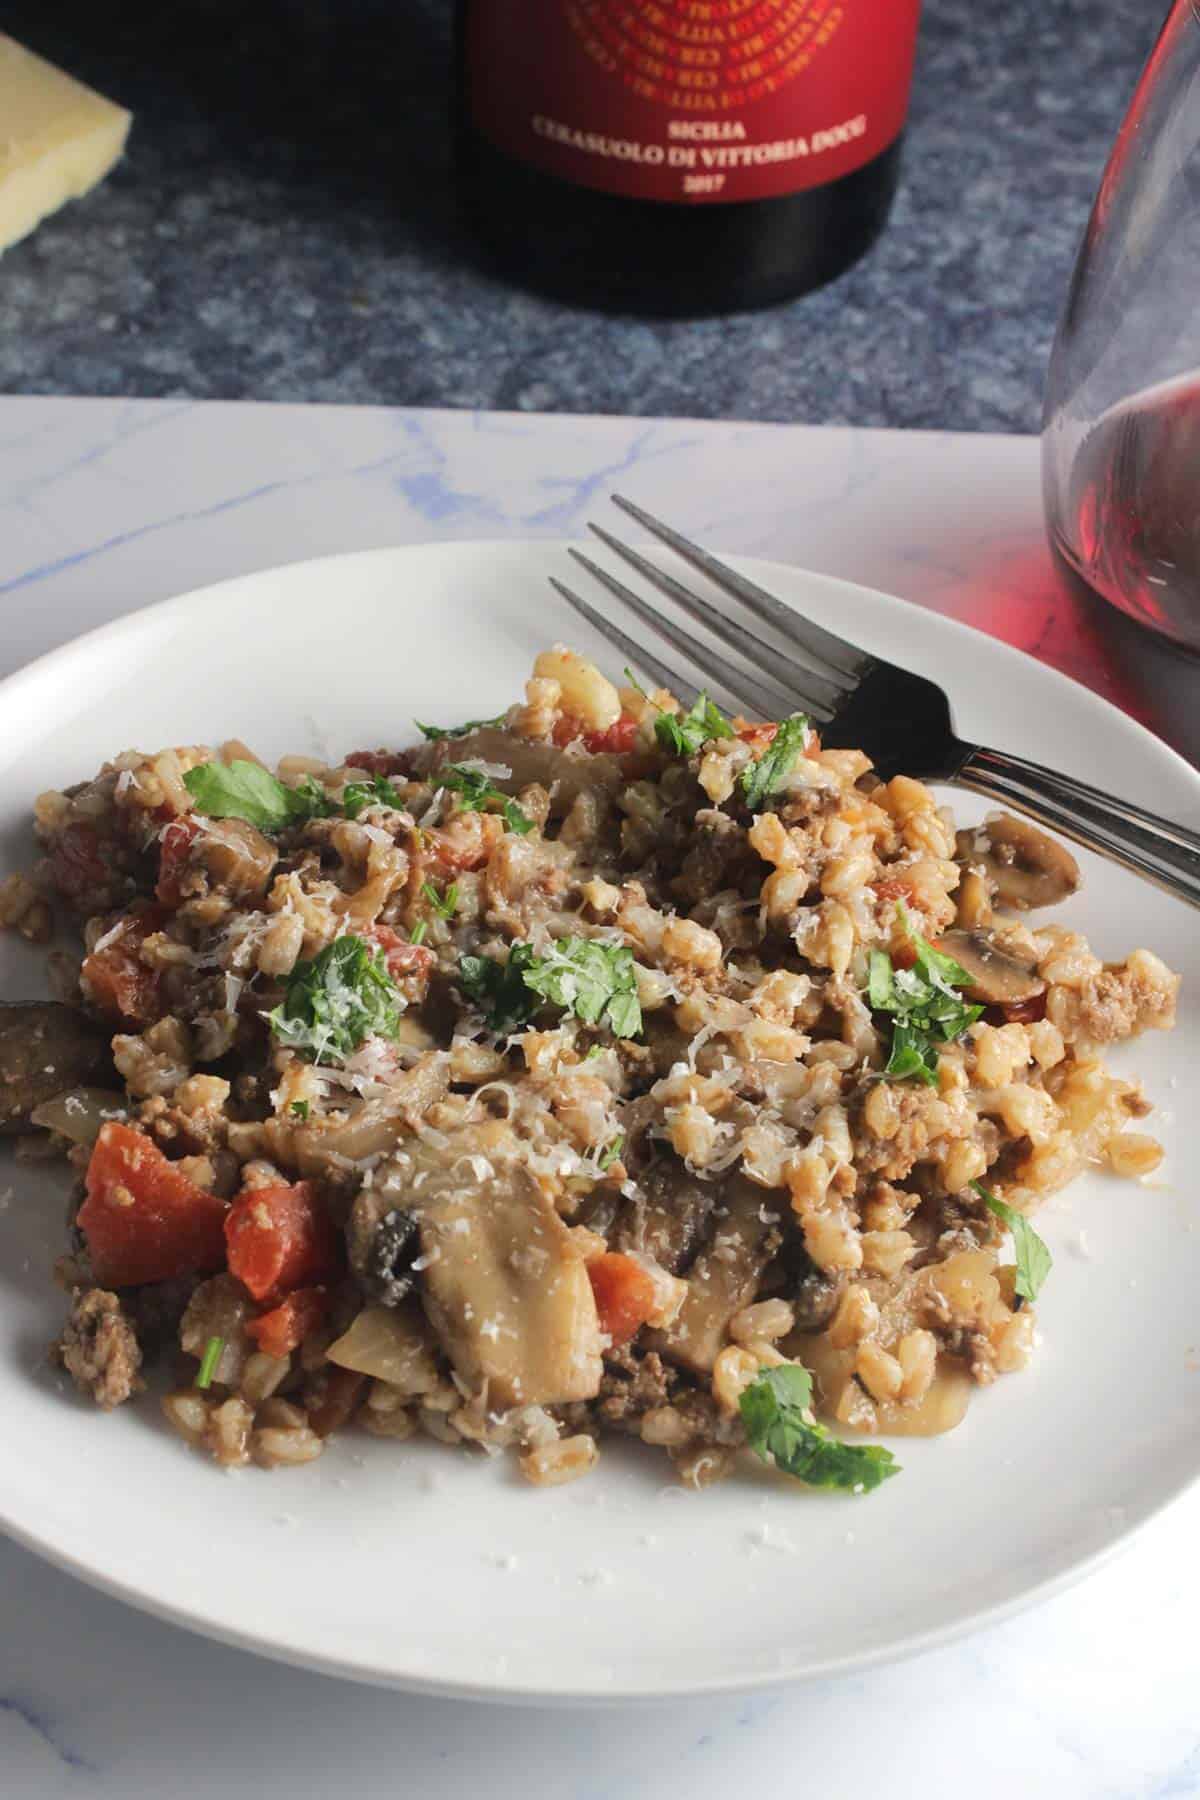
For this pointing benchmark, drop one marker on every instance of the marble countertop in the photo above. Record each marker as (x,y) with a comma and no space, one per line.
(283,229)
(106,505)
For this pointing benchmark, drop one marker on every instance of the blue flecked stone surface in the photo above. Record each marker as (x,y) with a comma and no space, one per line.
(283,228)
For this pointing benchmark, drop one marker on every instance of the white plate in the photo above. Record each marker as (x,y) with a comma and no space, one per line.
(427,1569)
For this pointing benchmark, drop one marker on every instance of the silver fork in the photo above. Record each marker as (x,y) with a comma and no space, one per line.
(902,721)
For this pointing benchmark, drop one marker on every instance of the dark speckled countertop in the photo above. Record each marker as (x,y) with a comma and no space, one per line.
(283,228)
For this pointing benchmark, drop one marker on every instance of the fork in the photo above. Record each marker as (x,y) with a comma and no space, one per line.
(901,720)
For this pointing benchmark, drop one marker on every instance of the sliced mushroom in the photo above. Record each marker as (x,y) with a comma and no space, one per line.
(724,1277)
(1027,867)
(506,1288)
(239,859)
(668,1217)
(45,1048)
(998,978)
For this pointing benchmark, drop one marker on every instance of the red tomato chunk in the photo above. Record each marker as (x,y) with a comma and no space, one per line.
(280,1238)
(144,1220)
(115,978)
(617,740)
(285,1327)
(624,1295)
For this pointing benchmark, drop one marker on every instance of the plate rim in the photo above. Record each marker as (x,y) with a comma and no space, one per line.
(24,683)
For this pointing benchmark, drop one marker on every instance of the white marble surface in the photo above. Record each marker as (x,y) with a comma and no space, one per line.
(107,505)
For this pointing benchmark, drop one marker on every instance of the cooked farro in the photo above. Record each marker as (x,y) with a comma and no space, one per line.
(597,1068)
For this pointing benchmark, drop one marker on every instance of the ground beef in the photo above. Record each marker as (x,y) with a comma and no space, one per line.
(634,1384)
(99,1348)
(1119,1003)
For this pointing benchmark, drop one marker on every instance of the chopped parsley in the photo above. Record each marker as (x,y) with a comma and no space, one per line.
(476,791)
(767,775)
(610,1153)
(333,1002)
(597,982)
(776,1410)
(435,733)
(498,989)
(681,734)
(926,1010)
(1031,1253)
(209,1361)
(245,790)
(444,905)
(358,795)
(299,1109)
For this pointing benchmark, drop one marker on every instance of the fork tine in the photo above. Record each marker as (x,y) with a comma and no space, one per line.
(635,654)
(718,672)
(834,651)
(814,689)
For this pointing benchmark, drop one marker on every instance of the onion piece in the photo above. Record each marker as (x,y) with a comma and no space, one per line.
(79,1113)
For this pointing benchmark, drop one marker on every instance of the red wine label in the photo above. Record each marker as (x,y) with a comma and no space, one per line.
(691,100)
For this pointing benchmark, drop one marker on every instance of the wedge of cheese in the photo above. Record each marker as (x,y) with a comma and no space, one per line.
(57,139)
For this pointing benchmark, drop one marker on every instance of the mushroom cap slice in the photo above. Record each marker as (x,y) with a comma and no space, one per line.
(998,977)
(1027,867)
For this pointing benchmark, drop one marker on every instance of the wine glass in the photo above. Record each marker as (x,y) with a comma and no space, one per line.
(1121,439)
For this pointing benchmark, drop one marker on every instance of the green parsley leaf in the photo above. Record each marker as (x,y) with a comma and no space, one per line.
(476,792)
(923,1003)
(780,1428)
(497,988)
(245,790)
(594,981)
(611,1153)
(444,905)
(938,968)
(763,778)
(681,734)
(634,683)
(881,986)
(597,982)
(358,795)
(299,1109)
(417,934)
(336,1000)
(436,732)
(209,1361)
(1032,1254)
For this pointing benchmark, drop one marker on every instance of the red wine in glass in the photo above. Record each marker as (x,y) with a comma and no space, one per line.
(1133,530)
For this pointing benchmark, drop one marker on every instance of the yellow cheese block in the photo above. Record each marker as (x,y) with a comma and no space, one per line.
(57,139)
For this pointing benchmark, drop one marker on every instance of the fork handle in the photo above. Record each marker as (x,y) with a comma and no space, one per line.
(1165,853)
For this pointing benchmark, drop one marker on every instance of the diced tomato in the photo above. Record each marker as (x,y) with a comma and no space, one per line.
(174,850)
(280,1238)
(465,843)
(759,737)
(286,1326)
(401,957)
(379,762)
(618,740)
(117,980)
(624,1295)
(143,1219)
(78,868)
(615,740)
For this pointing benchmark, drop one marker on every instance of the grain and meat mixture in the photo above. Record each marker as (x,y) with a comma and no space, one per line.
(605,1066)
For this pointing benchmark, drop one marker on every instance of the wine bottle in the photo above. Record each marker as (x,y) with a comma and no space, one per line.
(681,156)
